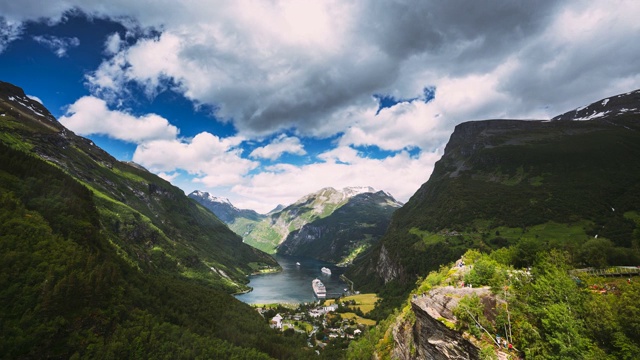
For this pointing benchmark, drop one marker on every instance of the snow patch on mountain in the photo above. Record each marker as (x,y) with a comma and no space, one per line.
(357,190)
(216,199)
(613,106)
(26,103)
(594,115)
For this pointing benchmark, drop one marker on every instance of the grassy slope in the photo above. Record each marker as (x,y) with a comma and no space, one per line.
(352,227)
(545,185)
(68,293)
(148,220)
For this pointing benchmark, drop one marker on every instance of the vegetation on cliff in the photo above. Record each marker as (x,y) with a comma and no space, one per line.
(101,259)
(547,311)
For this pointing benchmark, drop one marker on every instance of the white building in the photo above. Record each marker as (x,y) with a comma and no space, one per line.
(276,322)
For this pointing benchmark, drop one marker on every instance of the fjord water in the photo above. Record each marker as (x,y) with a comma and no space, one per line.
(293,283)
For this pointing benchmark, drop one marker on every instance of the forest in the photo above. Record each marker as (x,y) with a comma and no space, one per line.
(66,293)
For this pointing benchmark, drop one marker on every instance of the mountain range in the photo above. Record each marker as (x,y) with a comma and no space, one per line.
(101,258)
(331,225)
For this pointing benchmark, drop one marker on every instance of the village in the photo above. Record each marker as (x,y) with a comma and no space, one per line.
(326,323)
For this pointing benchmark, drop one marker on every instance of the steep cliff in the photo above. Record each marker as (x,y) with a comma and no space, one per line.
(429,338)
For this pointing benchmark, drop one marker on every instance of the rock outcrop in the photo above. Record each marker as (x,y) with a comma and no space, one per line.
(429,337)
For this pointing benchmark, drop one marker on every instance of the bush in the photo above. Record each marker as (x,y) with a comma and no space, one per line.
(482,272)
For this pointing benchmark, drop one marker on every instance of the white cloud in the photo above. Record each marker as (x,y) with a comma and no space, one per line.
(308,65)
(59,45)
(282,144)
(113,44)
(9,32)
(311,68)
(33,97)
(90,115)
(212,160)
(401,175)
(169,176)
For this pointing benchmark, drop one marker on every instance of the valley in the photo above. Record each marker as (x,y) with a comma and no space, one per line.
(96,249)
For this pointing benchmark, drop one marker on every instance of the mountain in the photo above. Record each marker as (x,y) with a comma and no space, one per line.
(358,214)
(223,208)
(143,215)
(241,221)
(572,183)
(346,232)
(101,258)
(619,105)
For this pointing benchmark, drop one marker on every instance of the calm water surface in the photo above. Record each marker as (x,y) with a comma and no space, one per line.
(293,284)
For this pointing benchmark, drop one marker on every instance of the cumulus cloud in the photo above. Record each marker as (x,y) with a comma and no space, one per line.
(59,45)
(90,115)
(401,175)
(113,44)
(310,68)
(308,65)
(282,144)
(212,160)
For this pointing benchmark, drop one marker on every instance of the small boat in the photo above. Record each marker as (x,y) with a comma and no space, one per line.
(326,270)
(297,263)
(319,289)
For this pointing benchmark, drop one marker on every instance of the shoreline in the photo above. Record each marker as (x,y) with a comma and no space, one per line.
(267,271)
(349,282)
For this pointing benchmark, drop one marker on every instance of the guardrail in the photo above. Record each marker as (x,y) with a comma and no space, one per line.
(610,271)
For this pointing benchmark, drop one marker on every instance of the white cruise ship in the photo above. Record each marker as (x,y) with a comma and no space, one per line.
(319,289)
(326,270)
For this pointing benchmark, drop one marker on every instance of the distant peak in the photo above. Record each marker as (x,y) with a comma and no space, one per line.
(611,107)
(355,190)
(276,209)
(207,196)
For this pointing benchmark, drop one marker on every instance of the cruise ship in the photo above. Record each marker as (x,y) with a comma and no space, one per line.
(326,270)
(319,289)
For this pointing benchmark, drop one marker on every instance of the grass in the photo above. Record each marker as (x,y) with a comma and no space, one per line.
(304,326)
(358,319)
(366,302)
(428,238)
(355,252)
(563,232)
(263,237)
(15,142)
(128,175)
(633,216)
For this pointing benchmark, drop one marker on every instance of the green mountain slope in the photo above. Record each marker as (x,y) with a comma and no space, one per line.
(318,218)
(151,223)
(240,221)
(96,263)
(531,185)
(346,232)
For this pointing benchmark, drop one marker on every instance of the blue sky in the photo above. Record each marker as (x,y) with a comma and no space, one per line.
(264,102)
